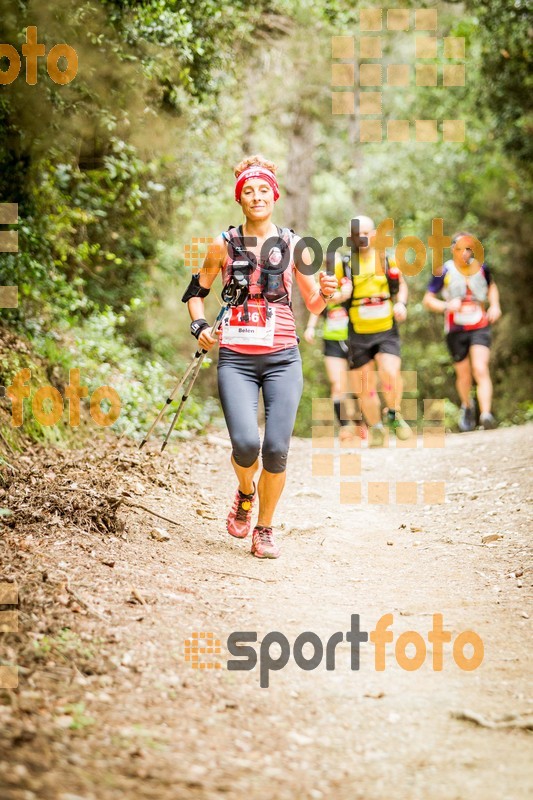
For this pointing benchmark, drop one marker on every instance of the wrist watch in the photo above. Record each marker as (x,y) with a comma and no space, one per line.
(325,297)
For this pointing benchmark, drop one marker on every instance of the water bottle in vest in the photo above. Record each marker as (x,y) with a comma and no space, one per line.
(273,288)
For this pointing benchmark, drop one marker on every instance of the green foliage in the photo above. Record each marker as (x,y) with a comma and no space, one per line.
(12,361)
(201,36)
(99,179)
(482,184)
(98,349)
(506,79)
(92,164)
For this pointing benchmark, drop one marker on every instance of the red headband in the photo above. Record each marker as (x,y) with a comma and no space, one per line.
(256,172)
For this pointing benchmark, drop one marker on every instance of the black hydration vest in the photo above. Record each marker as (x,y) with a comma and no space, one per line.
(272,285)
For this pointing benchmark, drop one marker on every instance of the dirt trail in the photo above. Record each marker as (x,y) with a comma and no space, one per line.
(111,709)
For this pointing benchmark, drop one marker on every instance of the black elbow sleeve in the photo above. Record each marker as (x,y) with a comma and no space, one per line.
(194,289)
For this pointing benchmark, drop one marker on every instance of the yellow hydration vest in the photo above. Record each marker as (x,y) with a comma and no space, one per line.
(371,308)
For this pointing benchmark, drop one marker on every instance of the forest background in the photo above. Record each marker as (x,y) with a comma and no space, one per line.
(116,173)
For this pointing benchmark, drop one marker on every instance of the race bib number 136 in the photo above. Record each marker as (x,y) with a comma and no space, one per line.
(256,331)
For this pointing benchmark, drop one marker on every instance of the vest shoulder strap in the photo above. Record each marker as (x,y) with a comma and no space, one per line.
(232,232)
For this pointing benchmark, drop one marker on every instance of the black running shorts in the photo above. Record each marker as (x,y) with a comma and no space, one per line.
(460,342)
(335,349)
(363,347)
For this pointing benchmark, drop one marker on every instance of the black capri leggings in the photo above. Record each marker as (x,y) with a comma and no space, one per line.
(280,377)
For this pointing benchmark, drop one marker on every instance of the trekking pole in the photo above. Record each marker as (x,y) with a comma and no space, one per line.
(171,397)
(186,383)
(187,390)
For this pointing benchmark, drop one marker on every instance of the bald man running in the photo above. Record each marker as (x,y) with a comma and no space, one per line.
(378,303)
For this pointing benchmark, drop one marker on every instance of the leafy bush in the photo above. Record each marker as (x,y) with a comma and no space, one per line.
(98,349)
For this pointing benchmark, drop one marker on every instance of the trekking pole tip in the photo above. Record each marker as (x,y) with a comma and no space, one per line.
(142,444)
